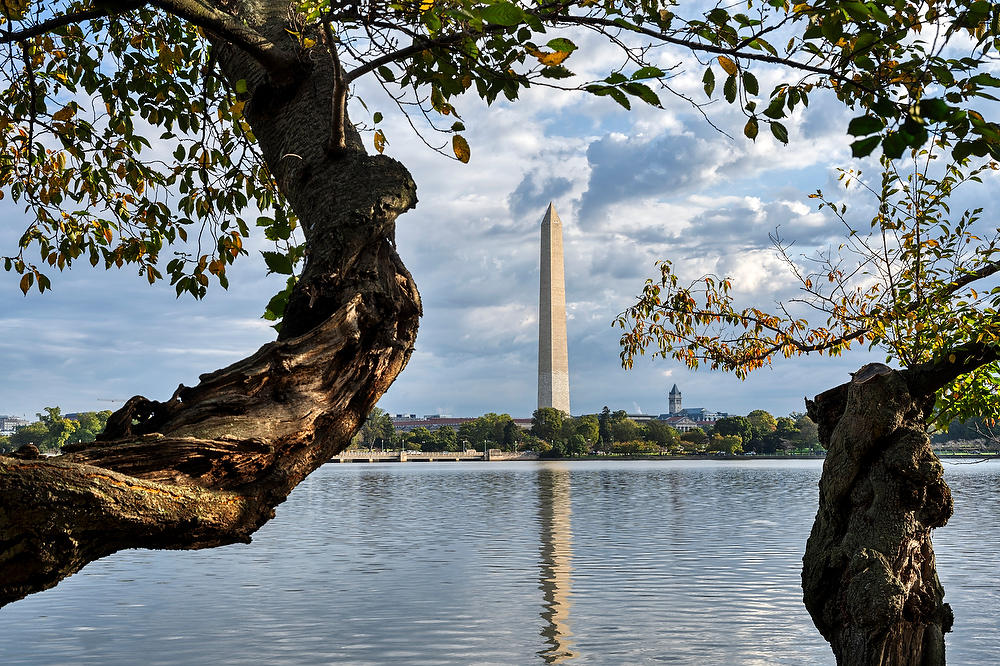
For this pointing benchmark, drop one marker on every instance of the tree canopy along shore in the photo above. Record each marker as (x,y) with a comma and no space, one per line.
(129,127)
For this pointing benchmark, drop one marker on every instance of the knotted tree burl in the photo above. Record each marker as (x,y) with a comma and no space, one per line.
(208,466)
(869,575)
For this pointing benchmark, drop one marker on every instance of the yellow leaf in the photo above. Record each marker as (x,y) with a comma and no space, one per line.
(731,67)
(550,59)
(426,4)
(379,141)
(801,7)
(308,43)
(461,148)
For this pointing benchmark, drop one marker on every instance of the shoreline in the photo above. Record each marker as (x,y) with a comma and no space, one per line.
(627,458)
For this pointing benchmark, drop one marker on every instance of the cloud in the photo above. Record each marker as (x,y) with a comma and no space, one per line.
(628,168)
(534,192)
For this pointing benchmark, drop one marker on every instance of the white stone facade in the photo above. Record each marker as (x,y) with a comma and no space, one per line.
(553,357)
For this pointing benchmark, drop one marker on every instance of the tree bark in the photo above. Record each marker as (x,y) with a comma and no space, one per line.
(869,574)
(208,466)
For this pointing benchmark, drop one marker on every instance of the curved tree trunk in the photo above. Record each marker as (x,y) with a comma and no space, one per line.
(868,572)
(208,466)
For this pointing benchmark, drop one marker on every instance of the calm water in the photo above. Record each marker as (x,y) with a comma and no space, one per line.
(520,563)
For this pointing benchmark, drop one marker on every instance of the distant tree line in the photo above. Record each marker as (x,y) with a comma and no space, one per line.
(555,434)
(52,430)
(616,434)
(493,431)
(981,434)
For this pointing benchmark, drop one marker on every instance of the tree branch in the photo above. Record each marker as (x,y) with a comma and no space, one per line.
(602,23)
(970,277)
(927,378)
(406,52)
(279,62)
(11,36)
(594,21)
(338,140)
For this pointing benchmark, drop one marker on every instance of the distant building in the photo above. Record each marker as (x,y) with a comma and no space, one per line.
(703,415)
(11,424)
(409,422)
(674,400)
(685,419)
(679,422)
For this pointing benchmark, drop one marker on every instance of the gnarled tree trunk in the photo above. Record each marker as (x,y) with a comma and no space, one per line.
(869,574)
(208,466)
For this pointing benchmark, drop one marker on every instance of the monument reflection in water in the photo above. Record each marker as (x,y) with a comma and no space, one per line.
(556,563)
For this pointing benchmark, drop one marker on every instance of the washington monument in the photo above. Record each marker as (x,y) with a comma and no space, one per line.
(553,359)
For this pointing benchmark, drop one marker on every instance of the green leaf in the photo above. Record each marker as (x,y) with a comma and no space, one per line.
(864,41)
(619,97)
(750,83)
(277,263)
(729,89)
(557,72)
(534,22)
(779,132)
(386,73)
(985,80)
(643,92)
(864,147)
(751,128)
(776,109)
(709,81)
(864,125)
(933,109)
(832,28)
(432,21)
(893,145)
(502,13)
(377,118)
(961,151)
(276,306)
(241,86)
(561,44)
(856,10)
(647,73)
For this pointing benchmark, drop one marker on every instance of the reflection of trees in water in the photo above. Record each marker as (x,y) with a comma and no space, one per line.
(555,564)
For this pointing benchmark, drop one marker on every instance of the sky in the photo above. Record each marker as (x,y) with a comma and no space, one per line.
(631,188)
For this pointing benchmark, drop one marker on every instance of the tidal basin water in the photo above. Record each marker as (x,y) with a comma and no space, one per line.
(501,563)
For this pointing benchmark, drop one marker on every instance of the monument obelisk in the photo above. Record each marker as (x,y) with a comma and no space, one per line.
(553,359)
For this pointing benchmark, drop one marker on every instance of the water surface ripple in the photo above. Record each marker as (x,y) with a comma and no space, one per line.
(501,563)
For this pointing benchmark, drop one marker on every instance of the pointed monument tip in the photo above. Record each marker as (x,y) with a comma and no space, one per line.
(551,216)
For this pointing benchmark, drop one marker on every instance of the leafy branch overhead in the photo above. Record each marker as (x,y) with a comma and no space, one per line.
(918,283)
(120,137)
